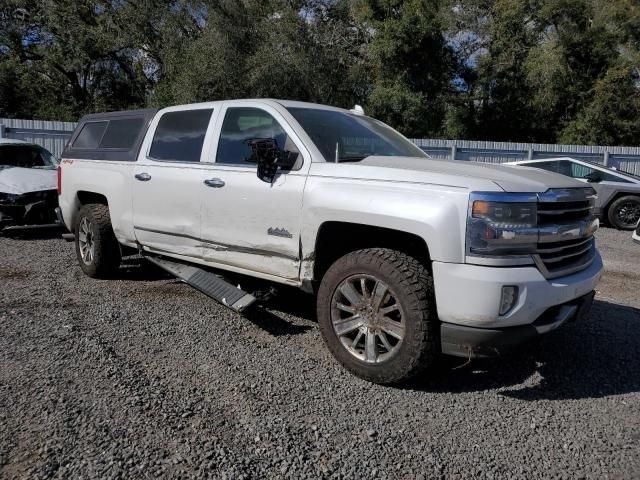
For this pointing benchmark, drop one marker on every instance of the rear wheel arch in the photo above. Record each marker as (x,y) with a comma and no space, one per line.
(86,197)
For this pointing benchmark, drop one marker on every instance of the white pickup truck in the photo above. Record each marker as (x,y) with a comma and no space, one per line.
(408,257)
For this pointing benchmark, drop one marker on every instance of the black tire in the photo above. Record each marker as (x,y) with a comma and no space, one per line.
(624,213)
(106,256)
(412,288)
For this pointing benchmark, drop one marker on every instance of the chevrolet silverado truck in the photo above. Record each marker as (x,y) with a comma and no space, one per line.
(408,257)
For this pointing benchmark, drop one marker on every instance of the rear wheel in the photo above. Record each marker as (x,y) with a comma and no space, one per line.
(624,213)
(377,315)
(97,248)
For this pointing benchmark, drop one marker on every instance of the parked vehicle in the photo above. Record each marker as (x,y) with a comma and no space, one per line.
(618,192)
(409,257)
(28,195)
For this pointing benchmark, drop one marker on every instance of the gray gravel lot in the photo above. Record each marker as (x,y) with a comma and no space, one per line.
(143,376)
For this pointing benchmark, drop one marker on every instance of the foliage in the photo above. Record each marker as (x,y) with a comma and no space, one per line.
(520,70)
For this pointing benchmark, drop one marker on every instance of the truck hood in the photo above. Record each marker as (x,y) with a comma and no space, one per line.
(510,178)
(18,180)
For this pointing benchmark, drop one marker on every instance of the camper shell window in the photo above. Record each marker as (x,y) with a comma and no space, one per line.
(115,136)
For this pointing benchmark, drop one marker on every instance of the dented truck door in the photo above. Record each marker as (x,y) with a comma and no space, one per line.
(248,223)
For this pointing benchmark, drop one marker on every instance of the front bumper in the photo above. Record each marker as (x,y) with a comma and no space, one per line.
(33,208)
(471,342)
(469,295)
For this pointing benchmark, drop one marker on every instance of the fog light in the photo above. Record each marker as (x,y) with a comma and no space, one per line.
(508,299)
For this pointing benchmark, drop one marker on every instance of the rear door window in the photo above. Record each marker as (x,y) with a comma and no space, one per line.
(179,135)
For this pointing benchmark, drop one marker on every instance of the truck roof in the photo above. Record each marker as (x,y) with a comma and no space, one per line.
(284,103)
(118,136)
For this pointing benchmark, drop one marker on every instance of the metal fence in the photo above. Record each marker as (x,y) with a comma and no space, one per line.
(51,135)
(54,135)
(623,158)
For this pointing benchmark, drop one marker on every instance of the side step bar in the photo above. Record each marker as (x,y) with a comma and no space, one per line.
(208,283)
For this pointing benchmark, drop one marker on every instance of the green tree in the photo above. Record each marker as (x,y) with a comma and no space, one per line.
(298,50)
(410,63)
(521,70)
(612,117)
(91,54)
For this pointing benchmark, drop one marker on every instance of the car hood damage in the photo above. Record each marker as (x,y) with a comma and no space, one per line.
(18,180)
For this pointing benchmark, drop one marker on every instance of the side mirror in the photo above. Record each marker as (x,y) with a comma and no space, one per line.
(593,177)
(269,158)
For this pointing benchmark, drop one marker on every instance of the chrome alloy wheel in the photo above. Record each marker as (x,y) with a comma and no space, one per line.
(367,318)
(85,241)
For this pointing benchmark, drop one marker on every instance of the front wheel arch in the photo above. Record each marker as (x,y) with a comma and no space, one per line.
(335,239)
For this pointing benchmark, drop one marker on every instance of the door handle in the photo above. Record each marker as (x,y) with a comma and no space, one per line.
(214,182)
(143,177)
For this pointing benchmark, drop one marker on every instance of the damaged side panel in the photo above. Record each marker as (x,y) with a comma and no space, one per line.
(252,224)
(254,258)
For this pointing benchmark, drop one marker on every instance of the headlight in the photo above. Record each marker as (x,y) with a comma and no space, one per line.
(506,214)
(502,224)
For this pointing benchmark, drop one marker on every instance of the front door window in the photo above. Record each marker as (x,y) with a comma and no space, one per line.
(240,126)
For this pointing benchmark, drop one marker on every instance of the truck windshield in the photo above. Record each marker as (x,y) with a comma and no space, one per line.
(346,137)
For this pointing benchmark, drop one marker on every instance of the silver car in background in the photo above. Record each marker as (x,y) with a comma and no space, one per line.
(618,200)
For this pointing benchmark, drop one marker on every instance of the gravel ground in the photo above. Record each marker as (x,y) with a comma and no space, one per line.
(142,376)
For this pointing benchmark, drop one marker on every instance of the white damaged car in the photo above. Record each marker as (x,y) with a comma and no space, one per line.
(28,195)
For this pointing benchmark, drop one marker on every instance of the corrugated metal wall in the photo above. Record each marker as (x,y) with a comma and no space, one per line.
(623,158)
(54,135)
(51,135)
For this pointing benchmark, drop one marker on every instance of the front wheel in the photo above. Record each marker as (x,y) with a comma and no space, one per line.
(624,213)
(376,313)
(97,248)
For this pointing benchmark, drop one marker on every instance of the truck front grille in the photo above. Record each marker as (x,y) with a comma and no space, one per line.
(566,222)
(564,258)
(564,212)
